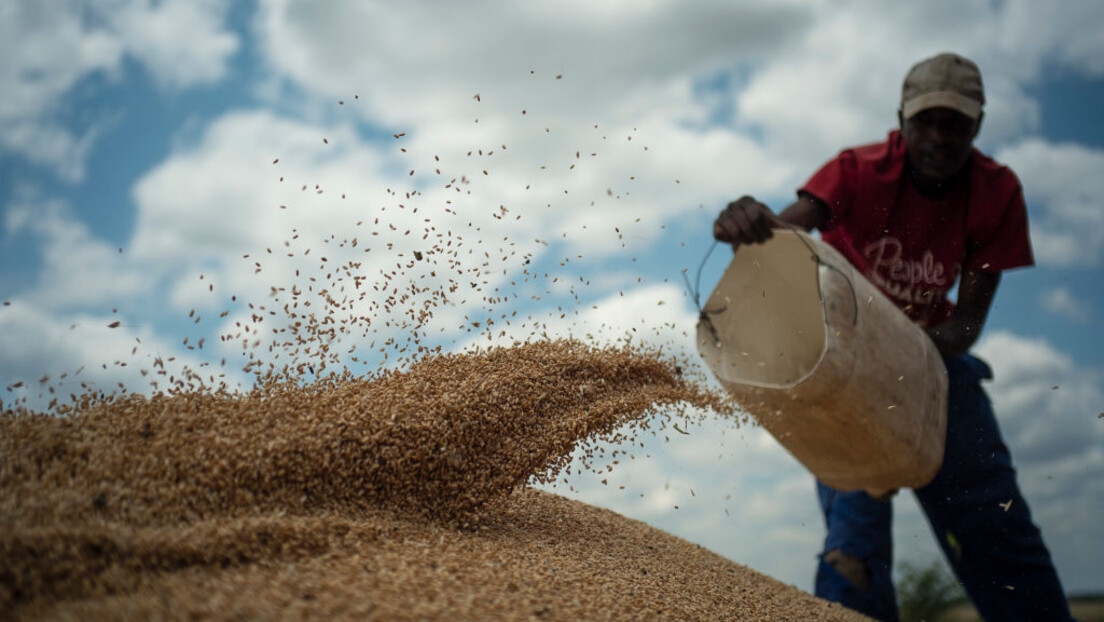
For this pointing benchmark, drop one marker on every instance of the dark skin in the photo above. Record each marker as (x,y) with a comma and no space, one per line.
(938,143)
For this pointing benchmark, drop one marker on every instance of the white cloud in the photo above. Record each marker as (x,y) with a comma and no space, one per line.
(48,47)
(1047,403)
(404,62)
(839,83)
(651,316)
(221,197)
(183,43)
(1061,302)
(55,355)
(1065,180)
(1072,36)
(417,70)
(51,46)
(78,270)
(47,50)
(49,145)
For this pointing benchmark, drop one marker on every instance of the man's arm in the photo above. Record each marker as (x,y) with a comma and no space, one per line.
(747,221)
(975,295)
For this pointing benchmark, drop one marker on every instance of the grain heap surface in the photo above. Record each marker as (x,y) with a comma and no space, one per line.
(384,498)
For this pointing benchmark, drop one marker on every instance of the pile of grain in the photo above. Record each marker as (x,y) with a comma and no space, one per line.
(384,497)
(541,557)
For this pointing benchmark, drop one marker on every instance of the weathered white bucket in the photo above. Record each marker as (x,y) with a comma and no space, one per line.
(828,365)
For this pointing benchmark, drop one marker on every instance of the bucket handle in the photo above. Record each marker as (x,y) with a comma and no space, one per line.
(821,262)
(703,314)
(695,295)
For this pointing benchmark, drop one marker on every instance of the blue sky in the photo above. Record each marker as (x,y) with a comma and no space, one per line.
(152,127)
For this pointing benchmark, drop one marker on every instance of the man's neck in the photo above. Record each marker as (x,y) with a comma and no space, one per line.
(936,190)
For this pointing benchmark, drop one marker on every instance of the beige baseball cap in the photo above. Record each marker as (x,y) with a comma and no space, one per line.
(943,81)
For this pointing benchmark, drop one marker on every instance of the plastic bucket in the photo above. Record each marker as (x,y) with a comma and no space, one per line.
(828,365)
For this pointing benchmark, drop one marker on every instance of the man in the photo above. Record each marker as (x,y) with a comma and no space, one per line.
(914,214)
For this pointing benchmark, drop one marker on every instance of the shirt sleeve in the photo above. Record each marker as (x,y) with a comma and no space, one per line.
(835,184)
(1007,244)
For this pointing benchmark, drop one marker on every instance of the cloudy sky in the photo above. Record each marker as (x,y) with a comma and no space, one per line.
(163,165)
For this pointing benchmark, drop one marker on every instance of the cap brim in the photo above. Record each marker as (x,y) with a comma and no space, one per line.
(942,99)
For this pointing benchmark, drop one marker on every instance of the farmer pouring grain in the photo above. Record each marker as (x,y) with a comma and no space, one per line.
(914,214)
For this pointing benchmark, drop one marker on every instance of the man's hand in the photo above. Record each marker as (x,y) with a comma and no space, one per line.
(976,291)
(745,221)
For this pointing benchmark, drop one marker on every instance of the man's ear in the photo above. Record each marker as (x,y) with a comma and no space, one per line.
(977,125)
(901,118)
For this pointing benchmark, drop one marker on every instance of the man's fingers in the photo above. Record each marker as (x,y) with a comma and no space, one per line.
(719,232)
(762,223)
(743,225)
(754,223)
(731,232)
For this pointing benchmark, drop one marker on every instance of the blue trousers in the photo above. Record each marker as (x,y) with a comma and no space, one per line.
(994,548)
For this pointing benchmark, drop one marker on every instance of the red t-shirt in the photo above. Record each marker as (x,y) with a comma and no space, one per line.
(914,248)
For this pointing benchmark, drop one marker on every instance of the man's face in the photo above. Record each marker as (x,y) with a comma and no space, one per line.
(939,142)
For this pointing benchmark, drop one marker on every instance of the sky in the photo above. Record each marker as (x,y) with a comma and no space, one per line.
(164,164)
